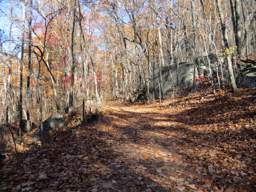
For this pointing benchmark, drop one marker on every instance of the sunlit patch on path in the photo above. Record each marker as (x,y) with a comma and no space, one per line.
(183,144)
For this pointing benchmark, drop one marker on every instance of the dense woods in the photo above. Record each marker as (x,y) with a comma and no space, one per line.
(63,61)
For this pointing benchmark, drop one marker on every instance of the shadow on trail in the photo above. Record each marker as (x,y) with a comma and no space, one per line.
(79,160)
(217,155)
(146,151)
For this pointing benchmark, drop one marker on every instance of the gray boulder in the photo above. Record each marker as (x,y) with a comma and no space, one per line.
(247,78)
(54,122)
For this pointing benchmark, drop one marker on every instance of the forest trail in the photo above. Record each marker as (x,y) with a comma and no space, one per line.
(193,143)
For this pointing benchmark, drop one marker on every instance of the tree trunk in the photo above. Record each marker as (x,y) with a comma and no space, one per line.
(194,40)
(226,45)
(21,75)
(28,92)
(236,20)
(161,63)
(73,65)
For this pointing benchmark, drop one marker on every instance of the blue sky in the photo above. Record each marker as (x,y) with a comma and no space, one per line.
(5,23)
(16,30)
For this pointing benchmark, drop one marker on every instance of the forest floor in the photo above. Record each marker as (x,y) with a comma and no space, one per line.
(194,143)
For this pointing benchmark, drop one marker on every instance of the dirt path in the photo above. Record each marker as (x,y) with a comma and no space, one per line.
(187,144)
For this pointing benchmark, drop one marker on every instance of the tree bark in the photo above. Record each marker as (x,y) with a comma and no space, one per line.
(28,92)
(226,45)
(21,75)
(73,64)
(236,20)
(161,63)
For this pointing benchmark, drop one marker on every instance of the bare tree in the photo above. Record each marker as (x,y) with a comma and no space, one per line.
(226,45)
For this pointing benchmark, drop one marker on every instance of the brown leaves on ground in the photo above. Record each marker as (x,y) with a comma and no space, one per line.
(194,143)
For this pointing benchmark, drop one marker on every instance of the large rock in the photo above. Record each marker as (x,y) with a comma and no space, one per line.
(180,76)
(247,77)
(203,60)
(186,74)
(176,77)
(54,122)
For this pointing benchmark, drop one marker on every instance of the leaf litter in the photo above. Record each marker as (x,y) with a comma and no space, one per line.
(193,143)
